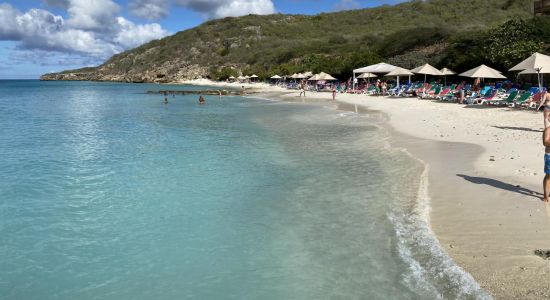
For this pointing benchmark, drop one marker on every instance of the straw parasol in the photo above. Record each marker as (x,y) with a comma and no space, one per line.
(314,77)
(427,69)
(367,75)
(380,68)
(483,72)
(254,76)
(400,72)
(446,72)
(325,76)
(276,77)
(308,74)
(539,63)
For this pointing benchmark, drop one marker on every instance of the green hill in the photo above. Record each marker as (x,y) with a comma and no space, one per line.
(435,31)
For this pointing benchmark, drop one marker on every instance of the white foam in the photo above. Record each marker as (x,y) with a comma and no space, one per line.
(439,271)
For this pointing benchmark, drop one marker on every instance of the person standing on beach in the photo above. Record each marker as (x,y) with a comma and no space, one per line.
(302,88)
(546,143)
(334,92)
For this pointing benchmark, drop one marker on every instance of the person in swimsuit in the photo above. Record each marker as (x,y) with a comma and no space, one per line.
(546,142)
(202,100)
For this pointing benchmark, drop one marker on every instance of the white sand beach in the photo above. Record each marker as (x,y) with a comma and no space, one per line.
(485,183)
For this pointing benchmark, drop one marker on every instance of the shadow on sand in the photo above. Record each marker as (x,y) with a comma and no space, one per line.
(518,128)
(502,185)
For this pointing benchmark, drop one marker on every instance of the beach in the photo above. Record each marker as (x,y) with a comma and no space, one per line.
(485,167)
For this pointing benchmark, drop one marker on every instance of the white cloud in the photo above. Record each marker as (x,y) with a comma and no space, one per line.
(237,8)
(158,9)
(131,35)
(150,9)
(92,31)
(8,22)
(92,14)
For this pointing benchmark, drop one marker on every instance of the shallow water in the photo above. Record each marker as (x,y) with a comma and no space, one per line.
(107,193)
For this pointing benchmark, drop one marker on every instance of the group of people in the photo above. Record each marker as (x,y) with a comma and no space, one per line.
(202,100)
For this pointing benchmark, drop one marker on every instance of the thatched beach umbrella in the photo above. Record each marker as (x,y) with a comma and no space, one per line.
(400,72)
(276,77)
(483,71)
(380,68)
(427,69)
(366,75)
(446,72)
(314,77)
(325,76)
(539,63)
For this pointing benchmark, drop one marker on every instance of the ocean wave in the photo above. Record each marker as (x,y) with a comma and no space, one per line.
(431,269)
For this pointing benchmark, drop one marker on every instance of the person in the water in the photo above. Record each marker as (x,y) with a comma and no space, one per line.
(202,100)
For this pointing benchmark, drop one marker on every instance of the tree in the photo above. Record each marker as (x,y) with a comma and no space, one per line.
(511,42)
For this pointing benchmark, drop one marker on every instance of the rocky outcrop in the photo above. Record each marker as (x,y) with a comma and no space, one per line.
(165,73)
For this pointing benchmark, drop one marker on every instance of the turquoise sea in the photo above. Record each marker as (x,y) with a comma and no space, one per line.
(107,193)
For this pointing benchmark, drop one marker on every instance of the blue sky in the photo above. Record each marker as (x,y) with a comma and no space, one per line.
(41,36)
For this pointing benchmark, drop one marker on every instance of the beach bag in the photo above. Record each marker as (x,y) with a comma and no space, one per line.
(546,137)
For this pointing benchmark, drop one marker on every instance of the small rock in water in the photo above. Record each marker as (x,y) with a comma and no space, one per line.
(492,159)
(545,254)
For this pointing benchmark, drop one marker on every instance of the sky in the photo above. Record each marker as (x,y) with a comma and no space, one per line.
(42,36)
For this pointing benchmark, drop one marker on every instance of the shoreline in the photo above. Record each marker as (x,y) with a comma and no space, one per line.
(485,165)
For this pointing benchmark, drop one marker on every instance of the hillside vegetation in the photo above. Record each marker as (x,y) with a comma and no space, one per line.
(459,33)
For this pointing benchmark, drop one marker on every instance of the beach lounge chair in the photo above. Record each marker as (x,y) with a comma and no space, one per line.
(534,102)
(435,93)
(520,101)
(444,93)
(472,99)
(491,99)
(511,97)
